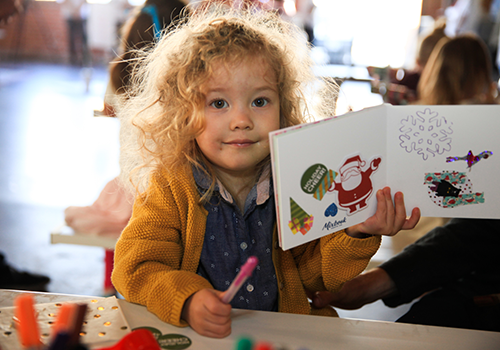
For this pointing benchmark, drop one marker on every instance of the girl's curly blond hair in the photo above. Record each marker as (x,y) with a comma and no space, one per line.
(163,113)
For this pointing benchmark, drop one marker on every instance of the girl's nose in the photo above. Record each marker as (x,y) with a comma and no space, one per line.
(241,119)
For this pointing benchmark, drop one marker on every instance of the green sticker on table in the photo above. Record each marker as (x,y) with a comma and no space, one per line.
(174,341)
(169,341)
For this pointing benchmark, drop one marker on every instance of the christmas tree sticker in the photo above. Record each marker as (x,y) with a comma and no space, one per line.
(301,221)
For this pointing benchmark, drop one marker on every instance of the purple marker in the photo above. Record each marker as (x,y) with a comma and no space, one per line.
(245,272)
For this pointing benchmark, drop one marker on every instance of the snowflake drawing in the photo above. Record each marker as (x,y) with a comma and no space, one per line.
(427,134)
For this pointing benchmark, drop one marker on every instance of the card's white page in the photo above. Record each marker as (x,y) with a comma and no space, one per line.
(357,138)
(419,140)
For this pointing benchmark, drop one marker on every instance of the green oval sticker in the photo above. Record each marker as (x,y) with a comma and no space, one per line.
(169,341)
(312,178)
(174,342)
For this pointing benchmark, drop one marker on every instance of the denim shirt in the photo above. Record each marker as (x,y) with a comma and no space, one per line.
(231,237)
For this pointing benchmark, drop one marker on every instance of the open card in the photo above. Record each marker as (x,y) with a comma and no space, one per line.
(445,159)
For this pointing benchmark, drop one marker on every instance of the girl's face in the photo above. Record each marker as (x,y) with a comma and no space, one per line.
(241,108)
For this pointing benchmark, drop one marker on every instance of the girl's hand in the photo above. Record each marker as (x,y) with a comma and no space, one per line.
(389,218)
(207,314)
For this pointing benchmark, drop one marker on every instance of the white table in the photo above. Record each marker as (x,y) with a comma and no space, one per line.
(66,235)
(293,332)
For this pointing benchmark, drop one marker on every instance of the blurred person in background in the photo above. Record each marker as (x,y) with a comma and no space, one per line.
(9,8)
(111,211)
(400,85)
(76,12)
(459,71)
(451,273)
(411,78)
(142,29)
(479,17)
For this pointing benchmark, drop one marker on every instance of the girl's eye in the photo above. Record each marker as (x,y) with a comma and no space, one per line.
(259,102)
(219,104)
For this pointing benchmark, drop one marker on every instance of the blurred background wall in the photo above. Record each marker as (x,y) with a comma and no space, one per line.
(356,32)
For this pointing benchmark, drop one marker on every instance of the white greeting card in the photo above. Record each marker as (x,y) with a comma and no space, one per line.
(445,159)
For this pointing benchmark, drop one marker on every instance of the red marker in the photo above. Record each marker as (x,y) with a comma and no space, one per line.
(245,272)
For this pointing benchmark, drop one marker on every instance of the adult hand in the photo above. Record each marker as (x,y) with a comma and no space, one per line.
(361,290)
(389,218)
(207,314)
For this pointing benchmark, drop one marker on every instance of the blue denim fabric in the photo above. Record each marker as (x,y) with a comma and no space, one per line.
(231,238)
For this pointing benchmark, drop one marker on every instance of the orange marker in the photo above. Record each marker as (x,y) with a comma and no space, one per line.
(29,334)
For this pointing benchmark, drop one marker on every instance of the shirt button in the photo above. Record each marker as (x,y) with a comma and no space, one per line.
(282,285)
(250,288)
(243,246)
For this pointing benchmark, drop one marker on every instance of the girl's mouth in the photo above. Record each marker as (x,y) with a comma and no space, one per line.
(240,143)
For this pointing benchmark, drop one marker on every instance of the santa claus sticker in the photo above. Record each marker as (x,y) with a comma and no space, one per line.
(355,187)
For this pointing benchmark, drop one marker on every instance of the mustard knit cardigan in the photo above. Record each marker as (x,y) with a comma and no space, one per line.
(157,255)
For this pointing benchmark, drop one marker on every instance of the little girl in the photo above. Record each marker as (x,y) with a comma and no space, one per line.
(205,101)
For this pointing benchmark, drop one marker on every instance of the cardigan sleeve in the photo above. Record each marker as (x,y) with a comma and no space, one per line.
(327,263)
(150,267)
